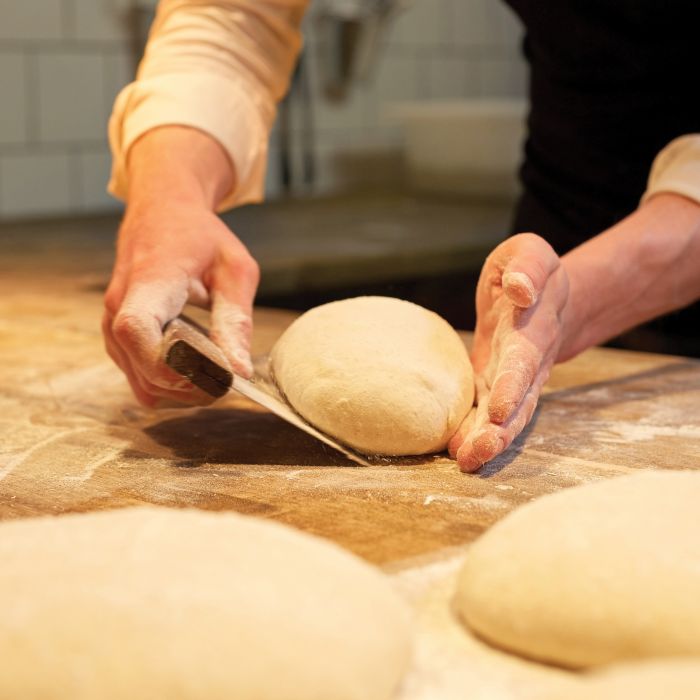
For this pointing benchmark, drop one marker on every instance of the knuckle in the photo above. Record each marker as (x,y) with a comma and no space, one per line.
(249,268)
(125,327)
(232,325)
(254,270)
(240,262)
(111,301)
(245,324)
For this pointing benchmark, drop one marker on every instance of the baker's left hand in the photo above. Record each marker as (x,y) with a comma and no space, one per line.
(520,300)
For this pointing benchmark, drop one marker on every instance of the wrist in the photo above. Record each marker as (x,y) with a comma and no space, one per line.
(175,164)
(642,267)
(574,316)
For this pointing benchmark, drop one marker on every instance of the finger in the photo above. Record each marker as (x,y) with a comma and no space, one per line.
(475,419)
(231,330)
(527,261)
(137,334)
(520,289)
(492,440)
(233,287)
(198,294)
(120,359)
(480,448)
(465,428)
(147,393)
(137,329)
(518,366)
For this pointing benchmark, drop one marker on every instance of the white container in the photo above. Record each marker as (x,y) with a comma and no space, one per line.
(466,147)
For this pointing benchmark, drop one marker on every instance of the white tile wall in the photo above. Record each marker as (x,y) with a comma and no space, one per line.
(502,23)
(453,76)
(71,97)
(31,20)
(13,88)
(421,24)
(470,24)
(119,70)
(502,77)
(94,168)
(100,20)
(36,184)
(398,76)
(62,62)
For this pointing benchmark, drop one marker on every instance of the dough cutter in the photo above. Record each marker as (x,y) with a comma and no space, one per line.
(188,350)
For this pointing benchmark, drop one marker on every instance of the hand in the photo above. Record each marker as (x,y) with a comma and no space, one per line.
(172,249)
(520,299)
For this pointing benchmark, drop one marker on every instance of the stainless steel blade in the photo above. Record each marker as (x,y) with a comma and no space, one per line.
(188,350)
(280,408)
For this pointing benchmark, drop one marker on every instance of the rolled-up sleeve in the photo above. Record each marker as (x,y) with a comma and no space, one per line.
(220,67)
(677,169)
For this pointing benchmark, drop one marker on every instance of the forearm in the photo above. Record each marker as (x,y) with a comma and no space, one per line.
(218,66)
(641,268)
(173,249)
(178,163)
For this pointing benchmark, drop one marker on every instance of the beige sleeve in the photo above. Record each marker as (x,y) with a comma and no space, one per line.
(677,169)
(219,66)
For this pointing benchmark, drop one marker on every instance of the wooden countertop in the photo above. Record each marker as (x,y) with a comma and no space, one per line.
(73,439)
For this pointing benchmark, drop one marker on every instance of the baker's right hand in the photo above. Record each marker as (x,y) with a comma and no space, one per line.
(172,250)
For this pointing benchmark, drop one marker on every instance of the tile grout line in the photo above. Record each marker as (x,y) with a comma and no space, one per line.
(68,17)
(32,99)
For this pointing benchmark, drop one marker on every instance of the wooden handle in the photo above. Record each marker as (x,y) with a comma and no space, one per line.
(188,350)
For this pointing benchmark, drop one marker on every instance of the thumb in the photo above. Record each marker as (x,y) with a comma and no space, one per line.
(531,262)
(233,286)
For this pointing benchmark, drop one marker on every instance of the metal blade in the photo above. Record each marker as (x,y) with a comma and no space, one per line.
(188,350)
(279,407)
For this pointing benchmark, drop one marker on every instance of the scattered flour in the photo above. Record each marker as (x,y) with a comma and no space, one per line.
(621,432)
(451,664)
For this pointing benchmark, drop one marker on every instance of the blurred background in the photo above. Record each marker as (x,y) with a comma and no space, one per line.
(392,163)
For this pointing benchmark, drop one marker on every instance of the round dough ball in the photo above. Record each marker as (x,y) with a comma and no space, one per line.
(150,603)
(667,679)
(592,574)
(379,374)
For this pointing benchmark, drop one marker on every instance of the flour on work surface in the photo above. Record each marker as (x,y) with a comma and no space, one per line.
(451,664)
(623,431)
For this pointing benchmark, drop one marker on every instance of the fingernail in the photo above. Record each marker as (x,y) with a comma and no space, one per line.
(521,286)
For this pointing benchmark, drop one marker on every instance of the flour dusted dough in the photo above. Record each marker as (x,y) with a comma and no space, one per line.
(667,679)
(382,375)
(592,574)
(150,603)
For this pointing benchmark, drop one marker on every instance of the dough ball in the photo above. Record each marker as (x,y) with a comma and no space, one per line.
(667,679)
(593,574)
(150,603)
(379,374)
